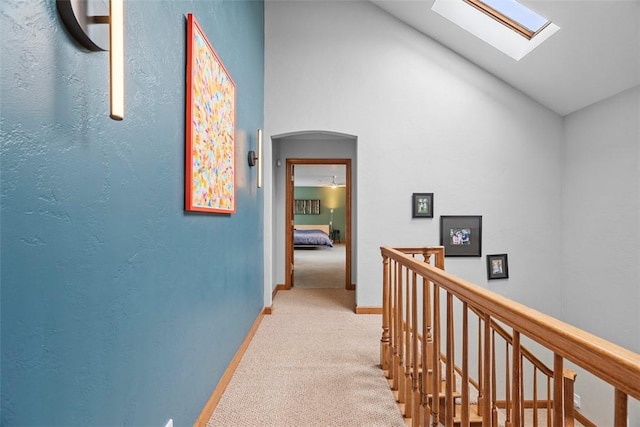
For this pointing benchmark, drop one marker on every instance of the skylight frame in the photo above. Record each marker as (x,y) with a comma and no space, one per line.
(490,30)
(507,21)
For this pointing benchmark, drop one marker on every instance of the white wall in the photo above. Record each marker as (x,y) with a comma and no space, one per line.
(601,219)
(601,228)
(426,121)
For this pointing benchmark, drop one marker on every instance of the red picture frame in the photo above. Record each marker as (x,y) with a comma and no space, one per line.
(210,169)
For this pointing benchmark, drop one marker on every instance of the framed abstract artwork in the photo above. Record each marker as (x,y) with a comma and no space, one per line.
(422,205)
(210,175)
(461,235)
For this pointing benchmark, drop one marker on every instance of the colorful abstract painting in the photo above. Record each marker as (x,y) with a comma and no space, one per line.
(211,126)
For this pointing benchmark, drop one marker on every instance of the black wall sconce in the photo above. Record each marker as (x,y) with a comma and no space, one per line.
(85,19)
(256,158)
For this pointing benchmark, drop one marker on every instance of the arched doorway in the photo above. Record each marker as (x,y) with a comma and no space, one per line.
(307,145)
(290,223)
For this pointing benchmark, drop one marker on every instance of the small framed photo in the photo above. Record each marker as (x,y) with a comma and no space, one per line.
(422,204)
(461,235)
(497,267)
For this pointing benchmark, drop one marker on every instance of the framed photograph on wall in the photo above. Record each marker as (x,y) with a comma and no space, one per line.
(461,235)
(210,181)
(422,205)
(497,267)
(306,207)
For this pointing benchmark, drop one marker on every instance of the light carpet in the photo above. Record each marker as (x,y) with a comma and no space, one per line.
(319,267)
(313,362)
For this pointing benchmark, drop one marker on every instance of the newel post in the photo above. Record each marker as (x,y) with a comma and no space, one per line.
(569,410)
(558,393)
(386,308)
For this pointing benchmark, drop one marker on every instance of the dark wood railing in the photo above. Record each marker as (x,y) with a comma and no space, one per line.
(446,369)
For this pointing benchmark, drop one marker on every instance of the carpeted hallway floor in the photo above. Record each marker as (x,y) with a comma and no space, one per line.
(319,267)
(313,362)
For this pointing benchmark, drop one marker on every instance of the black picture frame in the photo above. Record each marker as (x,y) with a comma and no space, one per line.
(497,267)
(461,235)
(306,207)
(422,205)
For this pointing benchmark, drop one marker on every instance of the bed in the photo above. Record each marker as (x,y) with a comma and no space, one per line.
(311,236)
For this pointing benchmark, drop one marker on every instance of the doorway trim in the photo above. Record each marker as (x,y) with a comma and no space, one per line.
(289,220)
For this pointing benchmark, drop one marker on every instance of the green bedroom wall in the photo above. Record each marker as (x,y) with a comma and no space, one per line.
(329,198)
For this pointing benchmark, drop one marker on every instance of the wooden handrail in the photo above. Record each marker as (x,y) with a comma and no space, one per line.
(612,363)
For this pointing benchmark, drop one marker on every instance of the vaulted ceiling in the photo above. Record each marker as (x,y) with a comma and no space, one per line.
(596,53)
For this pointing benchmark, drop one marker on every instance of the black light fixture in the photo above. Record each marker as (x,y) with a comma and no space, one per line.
(85,21)
(256,158)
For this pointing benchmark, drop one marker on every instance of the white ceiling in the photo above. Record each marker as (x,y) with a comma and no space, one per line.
(596,53)
(319,175)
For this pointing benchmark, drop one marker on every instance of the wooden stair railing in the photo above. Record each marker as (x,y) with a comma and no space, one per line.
(536,366)
(426,318)
(537,369)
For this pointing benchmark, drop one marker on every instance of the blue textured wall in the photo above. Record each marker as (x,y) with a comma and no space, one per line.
(118,308)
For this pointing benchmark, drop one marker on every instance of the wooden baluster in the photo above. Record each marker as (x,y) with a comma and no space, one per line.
(425,355)
(549,407)
(516,379)
(464,416)
(535,396)
(435,400)
(507,393)
(486,372)
(427,342)
(386,309)
(522,385)
(480,376)
(408,362)
(397,332)
(620,415)
(401,326)
(557,390)
(415,354)
(494,382)
(392,324)
(449,379)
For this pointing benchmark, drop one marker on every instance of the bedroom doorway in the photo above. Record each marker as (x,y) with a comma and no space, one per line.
(333,218)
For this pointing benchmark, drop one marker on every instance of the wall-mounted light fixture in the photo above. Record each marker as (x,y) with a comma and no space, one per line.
(85,21)
(256,159)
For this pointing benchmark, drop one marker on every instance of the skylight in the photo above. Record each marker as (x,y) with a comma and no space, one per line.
(512,14)
(505,24)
